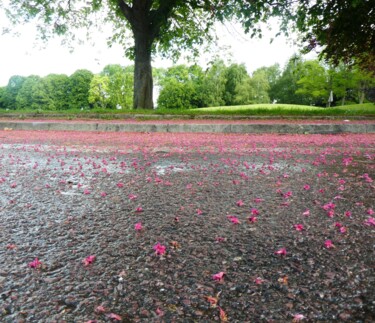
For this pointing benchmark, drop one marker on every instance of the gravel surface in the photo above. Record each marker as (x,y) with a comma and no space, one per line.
(109,227)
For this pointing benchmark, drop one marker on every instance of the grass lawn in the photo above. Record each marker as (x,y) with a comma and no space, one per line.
(258,110)
(367,109)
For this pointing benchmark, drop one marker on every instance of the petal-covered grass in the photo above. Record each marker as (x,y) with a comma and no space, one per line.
(139,227)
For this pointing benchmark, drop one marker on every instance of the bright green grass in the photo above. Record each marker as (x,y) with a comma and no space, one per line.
(367,109)
(256,110)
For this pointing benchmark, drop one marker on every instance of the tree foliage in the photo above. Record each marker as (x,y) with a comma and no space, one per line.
(2,94)
(99,91)
(314,84)
(11,91)
(344,28)
(29,96)
(120,87)
(300,82)
(79,86)
(181,86)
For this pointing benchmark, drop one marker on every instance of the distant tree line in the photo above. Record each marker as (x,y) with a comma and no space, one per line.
(112,88)
(308,82)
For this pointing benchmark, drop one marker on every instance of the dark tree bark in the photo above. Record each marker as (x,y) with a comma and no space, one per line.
(139,18)
(143,86)
(146,24)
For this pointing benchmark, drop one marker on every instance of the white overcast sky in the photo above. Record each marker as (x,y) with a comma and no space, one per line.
(20,56)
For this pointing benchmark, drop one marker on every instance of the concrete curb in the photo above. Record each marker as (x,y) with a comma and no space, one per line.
(205,128)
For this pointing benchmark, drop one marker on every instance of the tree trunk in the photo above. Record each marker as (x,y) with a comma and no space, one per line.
(343,100)
(361,96)
(143,85)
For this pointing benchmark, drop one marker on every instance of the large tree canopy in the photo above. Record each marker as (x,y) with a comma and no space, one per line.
(345,29)
(169,26)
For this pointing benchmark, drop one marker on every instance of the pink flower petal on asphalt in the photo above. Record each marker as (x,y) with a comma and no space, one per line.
(240,203)
(370,222)
(329,206)
(219,276)
(233,219)
(139,209)
(253,219)
(114,316)
(281,252)
(288,194)
(159,312)
(328,244)
(159,249)
(331,213)
(343,230)
(138,226)
(298,317)
(35,263)
(306,213)
(254,211)
(89,260)
(299,227)
(100,309)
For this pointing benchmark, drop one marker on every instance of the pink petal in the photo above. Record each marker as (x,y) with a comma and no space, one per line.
(299,227)
(328,244)
(159,312)
(159,249)
(370,222)
(253,219)
(100,309)
(254,211)
(298,317)
(35,263)
(306,213)
(138,226)
(218,276)
(114,316)
(343,230)
(240,203)
(233,219)
(89,260)
(281,252)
